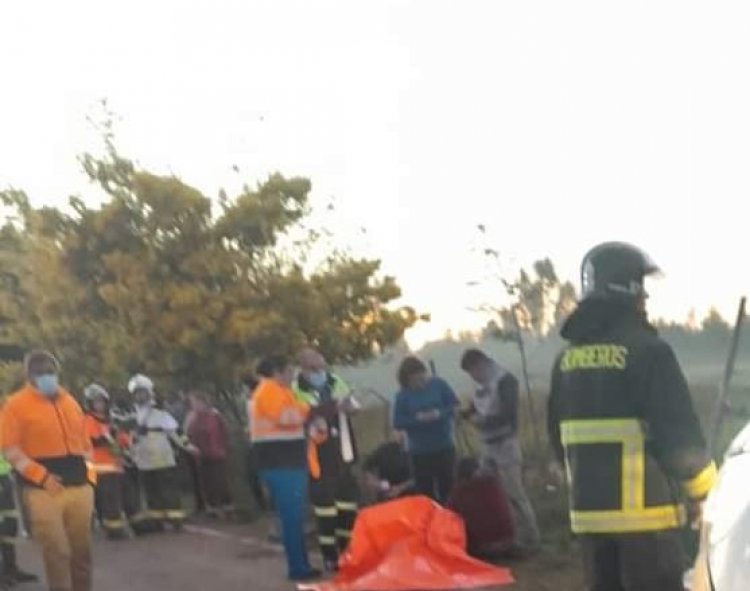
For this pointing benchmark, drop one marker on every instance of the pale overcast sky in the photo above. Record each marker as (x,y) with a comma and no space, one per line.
(555,124)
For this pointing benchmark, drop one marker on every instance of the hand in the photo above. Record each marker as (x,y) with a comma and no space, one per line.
(193,451)
(52,484)
(428,416)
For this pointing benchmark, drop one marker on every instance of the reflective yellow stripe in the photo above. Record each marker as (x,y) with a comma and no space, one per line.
(326,540)
(346,506)
(106,469)
(156,514)
(325,511)
(138,517)
(343,533)
(699,486)
(113,523)
(8,540)
(176,514)
(650,519)
(628,433)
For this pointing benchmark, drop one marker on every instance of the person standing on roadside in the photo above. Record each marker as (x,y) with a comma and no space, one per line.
(494,412)
(425,408)
(44,438)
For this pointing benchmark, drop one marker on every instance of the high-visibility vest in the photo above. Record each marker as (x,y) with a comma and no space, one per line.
(50,432)
(319,430)
(276,414)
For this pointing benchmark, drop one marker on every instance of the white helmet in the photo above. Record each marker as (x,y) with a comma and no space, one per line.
(138,382)
(93,391)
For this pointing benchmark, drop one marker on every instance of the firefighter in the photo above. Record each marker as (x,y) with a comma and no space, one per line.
(622,421)
(125,423)
(107,462)
(156,432)
(333,488)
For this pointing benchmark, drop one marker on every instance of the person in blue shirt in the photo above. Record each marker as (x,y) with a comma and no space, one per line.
(424,409)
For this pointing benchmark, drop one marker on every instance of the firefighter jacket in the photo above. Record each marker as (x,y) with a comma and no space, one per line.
(106,443)
(277,426)
(622,421)
(330,430)
(155,433)
(43,436)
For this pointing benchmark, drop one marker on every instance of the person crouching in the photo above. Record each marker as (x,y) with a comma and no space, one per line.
(482,503)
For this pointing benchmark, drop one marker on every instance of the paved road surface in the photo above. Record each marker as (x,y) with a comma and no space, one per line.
(203,558)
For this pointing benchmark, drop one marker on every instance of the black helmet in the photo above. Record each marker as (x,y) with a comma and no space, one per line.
(615,268)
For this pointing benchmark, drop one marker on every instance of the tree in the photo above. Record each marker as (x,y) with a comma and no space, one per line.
(159,279)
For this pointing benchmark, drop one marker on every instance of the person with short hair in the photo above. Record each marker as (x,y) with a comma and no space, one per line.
(44,438)
(424,409)
(387,470)
(277,427)
(333,451)
(494,412)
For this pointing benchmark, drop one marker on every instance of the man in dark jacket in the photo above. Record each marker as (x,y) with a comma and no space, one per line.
(622,422)
(494,412)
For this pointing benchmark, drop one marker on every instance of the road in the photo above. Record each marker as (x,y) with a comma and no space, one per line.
(204,557)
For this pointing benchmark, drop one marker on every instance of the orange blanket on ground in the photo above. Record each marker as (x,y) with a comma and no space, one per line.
(410,544)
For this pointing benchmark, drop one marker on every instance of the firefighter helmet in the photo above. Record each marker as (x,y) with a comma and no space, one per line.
(616,268)
(140,382)
(93,391)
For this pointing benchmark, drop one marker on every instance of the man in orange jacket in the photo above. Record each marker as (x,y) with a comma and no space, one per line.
(44,438)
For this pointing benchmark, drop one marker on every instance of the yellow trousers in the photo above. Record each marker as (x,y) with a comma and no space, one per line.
(61,526)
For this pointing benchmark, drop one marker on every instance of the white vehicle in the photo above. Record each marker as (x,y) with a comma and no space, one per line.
(724,560)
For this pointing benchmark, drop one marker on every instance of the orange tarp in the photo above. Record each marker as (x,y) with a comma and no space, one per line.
(410,544)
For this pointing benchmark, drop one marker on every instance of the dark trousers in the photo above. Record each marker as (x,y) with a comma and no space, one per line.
(633,562)
(433,474)
(334,498)
(288,488)
(198,487)
(8,525)
(254,480)
(109,501)
(162,488)
(214,481)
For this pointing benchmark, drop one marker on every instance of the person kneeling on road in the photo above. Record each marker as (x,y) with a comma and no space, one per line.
(481,501)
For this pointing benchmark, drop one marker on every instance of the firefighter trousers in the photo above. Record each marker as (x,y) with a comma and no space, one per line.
(109,503)
(334,499)
(162,490)
(651,561)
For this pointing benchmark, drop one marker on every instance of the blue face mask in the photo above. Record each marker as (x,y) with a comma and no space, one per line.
(318,379)
(47,384)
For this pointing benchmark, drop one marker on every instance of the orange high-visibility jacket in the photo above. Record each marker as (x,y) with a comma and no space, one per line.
(277,421)
(102,441)
(42,435)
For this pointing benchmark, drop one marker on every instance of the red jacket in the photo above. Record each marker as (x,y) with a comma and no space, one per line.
(208,432)
(482,504)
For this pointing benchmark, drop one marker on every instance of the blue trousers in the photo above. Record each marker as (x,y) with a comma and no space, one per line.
(288,487)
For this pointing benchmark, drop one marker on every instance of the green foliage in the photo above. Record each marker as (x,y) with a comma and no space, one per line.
(159,279)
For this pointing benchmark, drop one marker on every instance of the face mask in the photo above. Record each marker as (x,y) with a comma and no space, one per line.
(47,384)
(318,379)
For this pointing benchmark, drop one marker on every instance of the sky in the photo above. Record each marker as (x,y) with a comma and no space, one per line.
(557,125)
